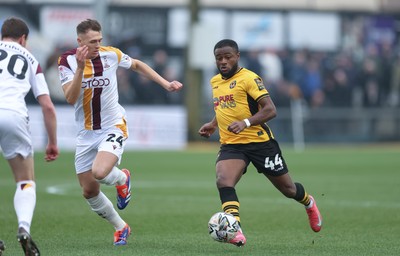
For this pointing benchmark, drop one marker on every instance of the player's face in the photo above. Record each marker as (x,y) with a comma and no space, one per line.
(92,39)
(227,60)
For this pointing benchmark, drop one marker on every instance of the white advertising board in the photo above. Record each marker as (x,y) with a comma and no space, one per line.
(58,24)
(150,128)
(317,31)
(258,30)
(179,26)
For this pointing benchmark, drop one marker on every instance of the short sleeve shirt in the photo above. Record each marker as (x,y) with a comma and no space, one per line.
(97,106)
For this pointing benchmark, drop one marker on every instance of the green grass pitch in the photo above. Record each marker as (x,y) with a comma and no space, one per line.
(357,189)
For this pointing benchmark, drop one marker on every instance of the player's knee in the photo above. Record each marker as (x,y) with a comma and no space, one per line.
(223,181)
(99,174)
(90,190)
(89,193)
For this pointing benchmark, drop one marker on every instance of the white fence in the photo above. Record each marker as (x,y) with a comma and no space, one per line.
(301,125)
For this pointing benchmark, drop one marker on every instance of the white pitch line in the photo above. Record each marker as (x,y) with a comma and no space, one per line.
(64,189)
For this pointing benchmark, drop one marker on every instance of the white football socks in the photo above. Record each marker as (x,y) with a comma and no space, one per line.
(25,202)
(101,205)
(115,177)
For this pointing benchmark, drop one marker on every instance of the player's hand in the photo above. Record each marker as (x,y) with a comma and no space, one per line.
(175,86)
(237,127)
(207,130)
(51,153)
(80,55)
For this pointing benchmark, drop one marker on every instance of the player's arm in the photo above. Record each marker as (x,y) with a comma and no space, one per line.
(50,122)
(208,128)
(266,113)
(72,89)
(145,70)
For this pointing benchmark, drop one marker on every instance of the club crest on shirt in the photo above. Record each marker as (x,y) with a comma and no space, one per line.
(62,74)
(126,57)
(105,62)
(232,85)
(259,83)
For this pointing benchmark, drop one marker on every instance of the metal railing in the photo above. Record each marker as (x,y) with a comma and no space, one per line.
(299,125)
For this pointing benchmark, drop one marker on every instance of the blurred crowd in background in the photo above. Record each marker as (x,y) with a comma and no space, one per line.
(134,88)
(364,77)
(363,72)
(369,77)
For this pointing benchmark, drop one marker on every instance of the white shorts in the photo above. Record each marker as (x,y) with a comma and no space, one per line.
(15,136)
(90,142)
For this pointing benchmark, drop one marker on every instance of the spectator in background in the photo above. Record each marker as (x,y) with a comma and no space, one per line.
(160,65)
(371,93)
(128,81)
(51,74)
(146,91)
(368,81)
(312,85)
(394,93)
(142,89)
(271,66)
(337,90)
(386,62)
(253,63)
(125,90)
(297,69)
(344,62)
(272,73)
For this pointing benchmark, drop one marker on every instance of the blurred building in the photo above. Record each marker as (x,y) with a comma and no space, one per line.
(337,60)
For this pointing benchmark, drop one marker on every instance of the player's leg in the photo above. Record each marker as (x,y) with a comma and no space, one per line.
(268,159)
(2,247)
(105,172)
(296,191)
(86,153)
(24,201)
(230,166)
(16,143)
(25,194)
(228,173)
(101,205)
(105,168)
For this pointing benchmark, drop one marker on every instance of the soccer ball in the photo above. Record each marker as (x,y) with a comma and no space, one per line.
(223,227)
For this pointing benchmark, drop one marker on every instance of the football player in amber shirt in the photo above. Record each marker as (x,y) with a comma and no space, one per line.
(242,108)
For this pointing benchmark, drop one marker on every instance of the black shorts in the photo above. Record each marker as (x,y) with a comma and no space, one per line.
(265,156)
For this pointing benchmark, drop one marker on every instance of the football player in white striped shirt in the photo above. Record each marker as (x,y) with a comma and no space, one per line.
(88,76)
(19,73)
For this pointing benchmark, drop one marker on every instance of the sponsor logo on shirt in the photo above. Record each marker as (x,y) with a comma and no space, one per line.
(259,83)
(224,101)
(96,82)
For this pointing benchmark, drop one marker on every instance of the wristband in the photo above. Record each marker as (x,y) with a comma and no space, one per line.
(247,122)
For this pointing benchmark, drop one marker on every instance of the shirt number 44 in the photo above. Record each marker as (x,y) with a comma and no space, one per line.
(274,163)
